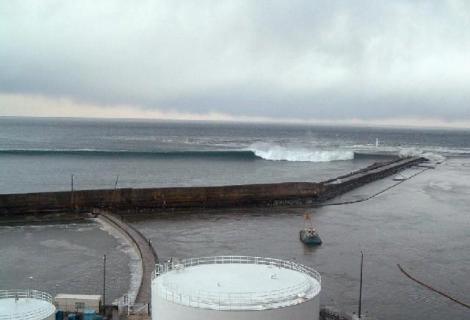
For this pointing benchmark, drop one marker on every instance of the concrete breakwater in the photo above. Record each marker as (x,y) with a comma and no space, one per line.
(287,193)
(144,248)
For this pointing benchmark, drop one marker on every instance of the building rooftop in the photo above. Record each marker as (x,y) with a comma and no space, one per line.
(78,296)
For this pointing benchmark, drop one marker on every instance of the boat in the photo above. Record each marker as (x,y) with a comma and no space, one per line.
(400,177)
(308,234)
(427,166)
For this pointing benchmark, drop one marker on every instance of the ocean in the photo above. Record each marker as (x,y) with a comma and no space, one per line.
(42,154)
(423,224)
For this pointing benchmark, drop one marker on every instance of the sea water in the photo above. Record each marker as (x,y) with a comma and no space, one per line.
(422,224)
(43,154)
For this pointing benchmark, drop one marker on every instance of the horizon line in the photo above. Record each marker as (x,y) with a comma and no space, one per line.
(355,123)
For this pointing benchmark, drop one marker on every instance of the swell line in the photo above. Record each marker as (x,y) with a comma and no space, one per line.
(93,152)
(253,154)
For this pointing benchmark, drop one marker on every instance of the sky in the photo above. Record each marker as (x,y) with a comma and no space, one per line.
(349,62)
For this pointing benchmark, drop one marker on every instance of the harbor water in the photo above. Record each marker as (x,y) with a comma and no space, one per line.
(421,224)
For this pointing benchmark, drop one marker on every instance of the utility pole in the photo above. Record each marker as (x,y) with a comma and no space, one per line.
(71,190)
(114,198)
(360,287)
(116,183)
(104,280)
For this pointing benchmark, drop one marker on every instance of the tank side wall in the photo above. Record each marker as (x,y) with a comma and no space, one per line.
(51,317)
(165,310)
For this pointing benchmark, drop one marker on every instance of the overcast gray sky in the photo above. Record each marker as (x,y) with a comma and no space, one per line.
(404,62)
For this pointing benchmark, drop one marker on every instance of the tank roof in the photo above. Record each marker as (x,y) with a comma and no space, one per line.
(25,305)
(237,283)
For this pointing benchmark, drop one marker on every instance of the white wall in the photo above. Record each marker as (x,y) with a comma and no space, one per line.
(69,304)
(165,310)
(51,317)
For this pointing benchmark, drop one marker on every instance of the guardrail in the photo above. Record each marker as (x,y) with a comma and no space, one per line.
(35,294)
(236,300)
(42,312)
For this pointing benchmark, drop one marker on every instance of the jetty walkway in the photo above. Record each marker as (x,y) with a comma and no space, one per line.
(144,248)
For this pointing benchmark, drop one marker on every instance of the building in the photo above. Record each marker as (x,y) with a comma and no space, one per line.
(26,305)
(233,288)
(78,302)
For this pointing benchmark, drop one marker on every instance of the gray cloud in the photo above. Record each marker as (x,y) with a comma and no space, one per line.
(296,59)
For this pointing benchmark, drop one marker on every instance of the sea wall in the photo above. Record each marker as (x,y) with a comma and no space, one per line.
(198,197)
(159,198)
(343,184)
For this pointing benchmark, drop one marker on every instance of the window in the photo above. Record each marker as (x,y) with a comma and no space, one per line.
(79,305)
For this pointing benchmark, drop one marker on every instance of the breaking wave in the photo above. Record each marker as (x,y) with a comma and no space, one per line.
(413,152)
(281,153)
(260,150)
(256,151)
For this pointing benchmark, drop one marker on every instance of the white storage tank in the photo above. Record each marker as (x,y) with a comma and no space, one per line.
(234,288)
(26,305)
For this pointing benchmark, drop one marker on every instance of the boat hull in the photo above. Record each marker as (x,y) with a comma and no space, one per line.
(309,239)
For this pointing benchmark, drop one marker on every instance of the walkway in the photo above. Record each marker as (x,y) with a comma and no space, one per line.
(146,252)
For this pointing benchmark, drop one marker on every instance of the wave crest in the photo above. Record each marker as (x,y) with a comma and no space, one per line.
(280,153)
(414,152)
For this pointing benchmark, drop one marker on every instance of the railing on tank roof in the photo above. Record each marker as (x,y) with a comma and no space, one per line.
(235,300)
(27,294)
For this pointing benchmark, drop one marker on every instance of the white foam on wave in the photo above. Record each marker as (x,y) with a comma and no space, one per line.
(414,152)
(135,264)
(280,153)
(434,154)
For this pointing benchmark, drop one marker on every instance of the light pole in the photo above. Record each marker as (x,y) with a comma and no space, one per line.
(104,280)
(71,191)
(360,287)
